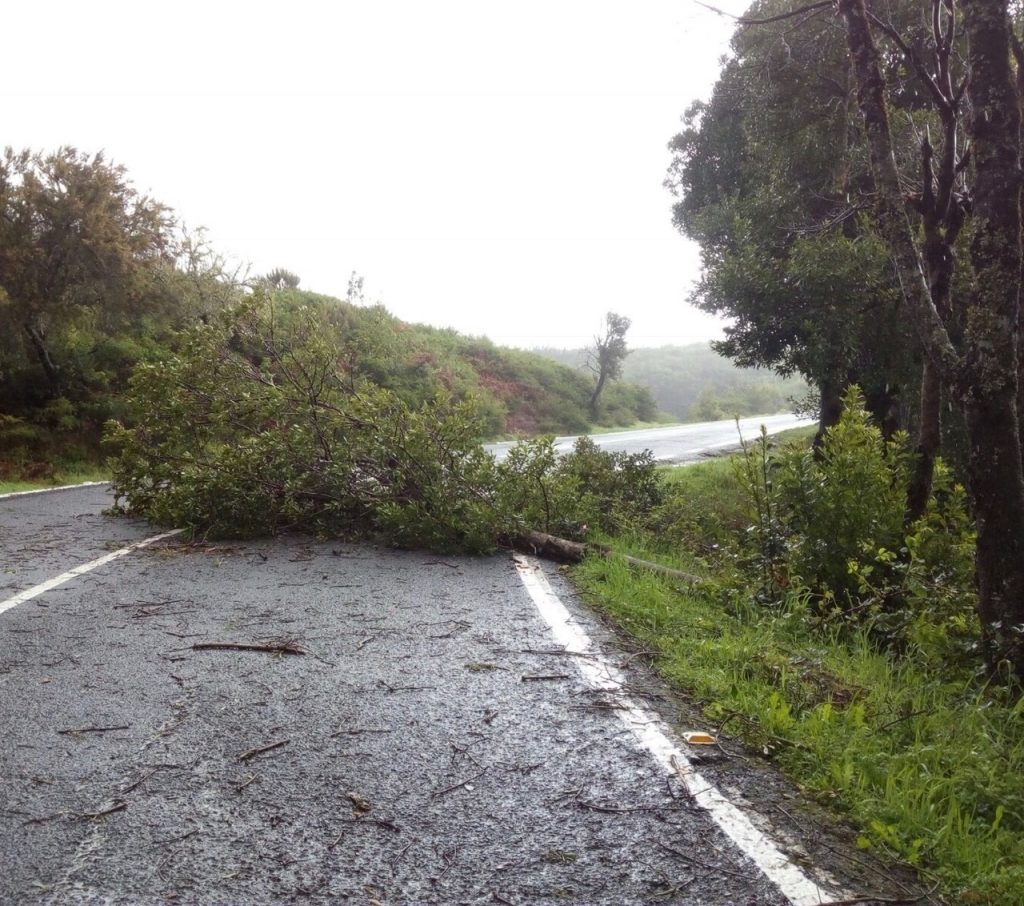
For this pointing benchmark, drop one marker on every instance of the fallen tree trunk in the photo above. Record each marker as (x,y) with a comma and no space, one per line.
(540,544)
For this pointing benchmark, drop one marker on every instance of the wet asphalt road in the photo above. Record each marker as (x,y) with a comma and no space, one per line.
(677,444)
(433,744)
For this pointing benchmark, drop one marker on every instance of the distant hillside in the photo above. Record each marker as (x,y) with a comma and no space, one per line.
(519,392)
(693,383)
(516,392)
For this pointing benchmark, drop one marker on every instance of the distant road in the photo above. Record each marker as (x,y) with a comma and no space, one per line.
(678,443)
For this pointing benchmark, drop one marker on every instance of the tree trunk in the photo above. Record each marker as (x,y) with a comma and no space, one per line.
(893,222)
(541,544)
(830,410)
(928,442)
(50,368)
(595,397)
(985,378)
(989,386)
(997,495)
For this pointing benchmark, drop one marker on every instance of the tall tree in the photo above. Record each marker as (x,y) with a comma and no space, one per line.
(606,357)
(965,313)
(772,180)
(976,354)
(75,238)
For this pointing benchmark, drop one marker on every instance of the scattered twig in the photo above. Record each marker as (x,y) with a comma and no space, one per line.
(891,901)
(620,809)
(358,731)
(861,862)
(259,750)
(391,688)
(137,783)
(245,783)
(405,849)
(179,839)
(522,768)
(568,794)
(455,786)
(77,730)
(544,676)
(271,648)
(42,819)
(899,720)
(119,805)
(694,860)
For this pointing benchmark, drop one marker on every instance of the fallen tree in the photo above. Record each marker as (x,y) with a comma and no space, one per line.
(260,425)
(541,544)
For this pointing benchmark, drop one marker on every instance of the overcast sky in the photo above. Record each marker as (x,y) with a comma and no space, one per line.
(492,167)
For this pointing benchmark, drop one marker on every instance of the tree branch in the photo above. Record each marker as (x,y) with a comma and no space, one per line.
(741,20)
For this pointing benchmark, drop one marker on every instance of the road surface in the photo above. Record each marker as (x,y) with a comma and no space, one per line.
(300,721)
(677,444)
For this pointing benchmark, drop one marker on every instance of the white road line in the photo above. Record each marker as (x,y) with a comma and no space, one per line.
(655,736)
(37,590)
(63,487)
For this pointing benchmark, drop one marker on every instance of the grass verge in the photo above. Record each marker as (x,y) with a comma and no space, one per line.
(930,767)
(76,475)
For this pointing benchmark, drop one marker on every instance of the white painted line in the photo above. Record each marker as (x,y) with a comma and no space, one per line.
(654,735)
(63,487)
(37,590)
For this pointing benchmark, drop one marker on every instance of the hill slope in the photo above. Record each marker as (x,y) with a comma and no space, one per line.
(694,383)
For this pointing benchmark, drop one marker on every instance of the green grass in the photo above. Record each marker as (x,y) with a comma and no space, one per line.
(74,475)
(930,766)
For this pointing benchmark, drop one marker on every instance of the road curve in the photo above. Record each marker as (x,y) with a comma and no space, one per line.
(677,444)
(390,727)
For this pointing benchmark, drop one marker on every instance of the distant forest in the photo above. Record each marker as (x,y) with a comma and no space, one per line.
(694,384)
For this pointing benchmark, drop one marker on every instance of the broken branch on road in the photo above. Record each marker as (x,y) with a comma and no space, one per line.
(78,730)
(269,648)
(456,786)
(260,750)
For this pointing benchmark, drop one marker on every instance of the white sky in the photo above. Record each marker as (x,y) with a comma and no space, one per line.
(496,168)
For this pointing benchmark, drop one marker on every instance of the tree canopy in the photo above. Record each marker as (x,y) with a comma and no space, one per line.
(832,265)
(77,242)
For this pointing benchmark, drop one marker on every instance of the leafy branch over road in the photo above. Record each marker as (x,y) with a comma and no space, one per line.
(260,425)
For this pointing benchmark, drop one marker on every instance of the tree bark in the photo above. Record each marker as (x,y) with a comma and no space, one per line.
(595,397)
(985,377)
(929,440)
(830,409)
(541,544)
(989,386)
(50,368)
(894,223)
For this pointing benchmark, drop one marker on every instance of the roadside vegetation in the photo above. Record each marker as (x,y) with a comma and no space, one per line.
(839,643)
(825,630)
(96,279)
(269,419)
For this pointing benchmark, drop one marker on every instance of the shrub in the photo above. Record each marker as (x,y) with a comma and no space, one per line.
(258,425)
(843,505)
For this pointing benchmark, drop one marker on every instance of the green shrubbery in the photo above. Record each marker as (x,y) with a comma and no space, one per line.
(827,528)
(823,532)
(840,641)
(262,422)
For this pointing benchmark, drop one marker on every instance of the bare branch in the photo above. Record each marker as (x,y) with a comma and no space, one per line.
(914,61)
(741,20)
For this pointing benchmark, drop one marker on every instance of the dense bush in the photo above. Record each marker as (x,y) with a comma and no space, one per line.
(262,423)
(826,533)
